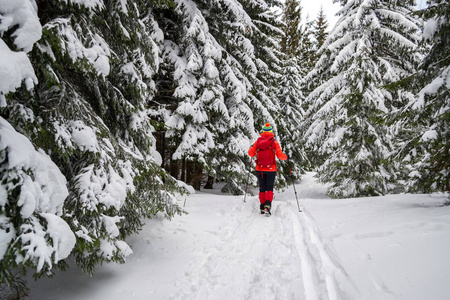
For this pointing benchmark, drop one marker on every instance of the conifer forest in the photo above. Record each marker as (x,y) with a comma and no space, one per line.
(110,109)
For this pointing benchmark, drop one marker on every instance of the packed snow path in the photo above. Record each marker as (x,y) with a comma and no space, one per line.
(280,257)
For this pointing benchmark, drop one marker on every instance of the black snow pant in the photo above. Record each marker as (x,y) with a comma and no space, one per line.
(266,180)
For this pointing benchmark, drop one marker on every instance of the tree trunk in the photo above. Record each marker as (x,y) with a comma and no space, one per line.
(184,172)
(209,183)
(197,176)
(174,168)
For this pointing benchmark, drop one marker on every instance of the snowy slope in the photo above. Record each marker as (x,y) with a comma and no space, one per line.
(393,247)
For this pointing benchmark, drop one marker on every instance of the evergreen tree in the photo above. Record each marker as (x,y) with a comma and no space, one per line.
(194,57)
(33,230)
(233,29)
(313,48)
(424,127)
(289,93)
(320,32)
(290,42)
(306,53)
(291,116)
(238,39)
(297,40)
(94,66)
(217,34)
(265,33)
(373,44)
(274,70)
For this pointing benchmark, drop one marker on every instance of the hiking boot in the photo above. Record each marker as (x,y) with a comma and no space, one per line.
(267,210)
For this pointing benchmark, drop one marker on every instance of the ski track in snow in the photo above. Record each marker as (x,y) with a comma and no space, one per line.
(280,257)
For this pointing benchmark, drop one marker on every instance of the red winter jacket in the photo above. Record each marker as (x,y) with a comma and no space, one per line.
(278,152)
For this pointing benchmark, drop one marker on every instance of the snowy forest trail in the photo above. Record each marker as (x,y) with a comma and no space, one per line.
(222,249)
(391,248)
(255,259)
(280,257)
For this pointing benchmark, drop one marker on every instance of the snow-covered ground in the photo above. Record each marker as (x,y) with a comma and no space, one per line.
(393,247)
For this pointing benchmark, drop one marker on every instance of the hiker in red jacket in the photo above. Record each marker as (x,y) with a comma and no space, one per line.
(266,148)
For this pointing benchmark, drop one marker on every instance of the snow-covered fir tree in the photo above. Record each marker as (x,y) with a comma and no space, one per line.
(231,48)
(373,44)
(298,36)
(292,116)
(270,74)
(193,56)
(425,129)
(84,104)
(320,32)
(232,27)
(290,83)
(33,229)
(290,42)
(263,36)
(307,52)
(209,86)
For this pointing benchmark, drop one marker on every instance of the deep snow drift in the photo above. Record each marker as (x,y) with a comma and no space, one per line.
(393,247)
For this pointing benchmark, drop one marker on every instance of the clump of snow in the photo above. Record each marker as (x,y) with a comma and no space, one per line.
(429,135)
(442,81)
(46,190)
(21,13)
(35,244)
(15,65)
(107,249)
(62,236)
(42,192)
(110,224)
(186,186)
(105,185)
(123,248)
(174,122)
(91,4)
(430,28)
(7,231)
(84,136)
(98,54)
(123,4)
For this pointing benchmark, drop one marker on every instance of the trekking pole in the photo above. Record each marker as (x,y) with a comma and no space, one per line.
(248,178)
(292,178)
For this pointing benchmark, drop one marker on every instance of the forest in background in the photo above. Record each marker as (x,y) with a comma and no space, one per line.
(109,108)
